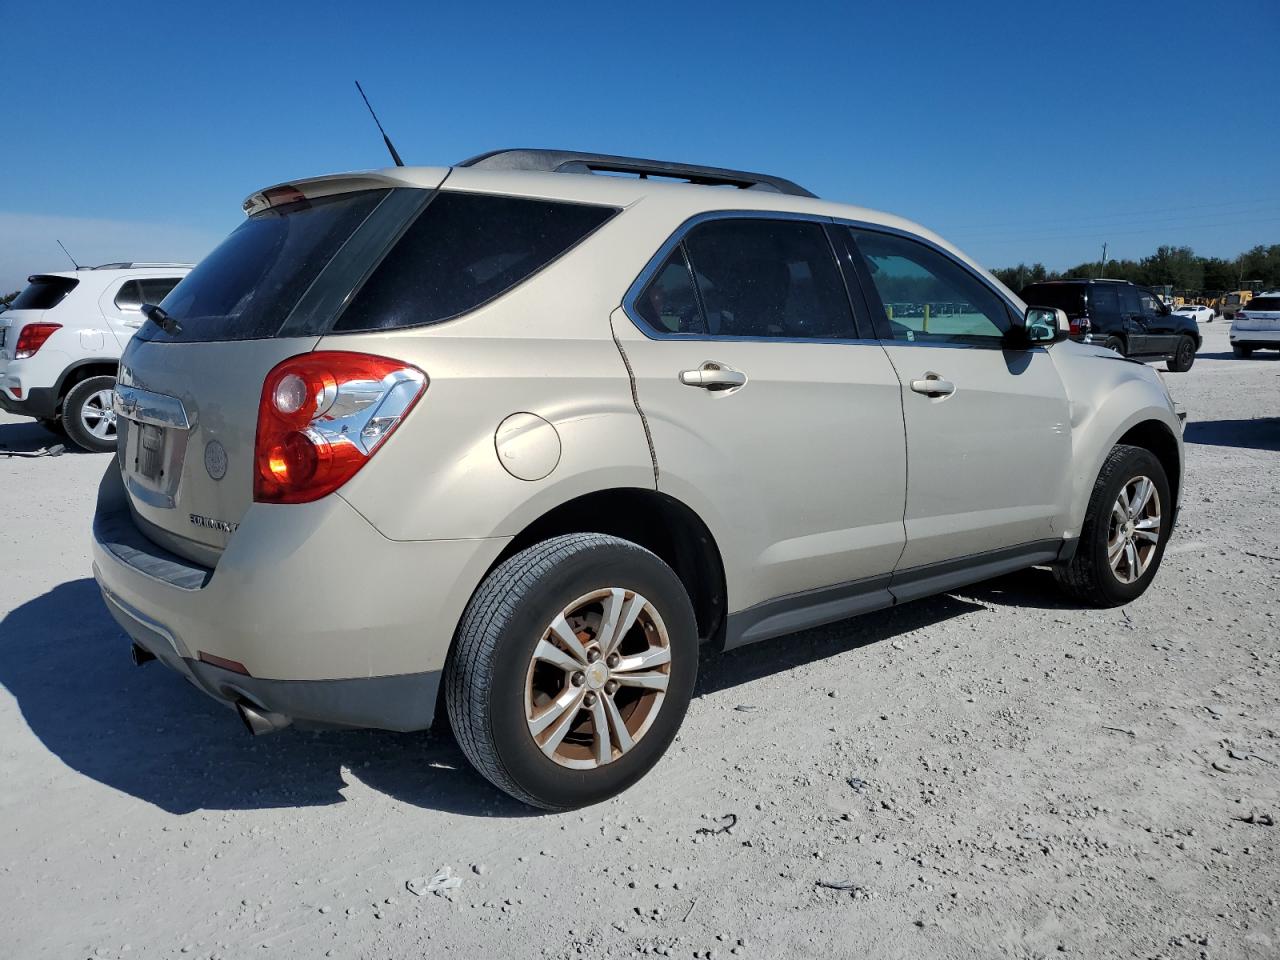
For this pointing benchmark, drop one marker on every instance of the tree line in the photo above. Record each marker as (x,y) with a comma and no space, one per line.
(1178,266)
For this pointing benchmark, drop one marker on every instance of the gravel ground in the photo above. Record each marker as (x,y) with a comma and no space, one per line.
(994,772)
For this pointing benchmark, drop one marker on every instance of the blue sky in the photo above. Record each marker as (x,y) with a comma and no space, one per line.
(1019,131)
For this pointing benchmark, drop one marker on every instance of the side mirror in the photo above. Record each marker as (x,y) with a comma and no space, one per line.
(1046,325)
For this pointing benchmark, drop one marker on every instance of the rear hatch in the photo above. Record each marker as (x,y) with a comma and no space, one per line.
(188,394)
(42,294)
(1261,313)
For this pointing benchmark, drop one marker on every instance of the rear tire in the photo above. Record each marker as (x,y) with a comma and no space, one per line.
(87,415)
(1242,352)
(1116,344)
(1184,355)
(528,702)
(1098,573)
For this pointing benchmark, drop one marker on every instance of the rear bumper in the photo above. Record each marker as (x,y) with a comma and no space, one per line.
(38,402)
(1255,338)
(334,623)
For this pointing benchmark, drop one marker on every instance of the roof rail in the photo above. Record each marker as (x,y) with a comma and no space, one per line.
(135,264)
(572,161)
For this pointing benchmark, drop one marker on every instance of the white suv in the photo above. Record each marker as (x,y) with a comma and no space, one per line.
(512,440)
(61,339)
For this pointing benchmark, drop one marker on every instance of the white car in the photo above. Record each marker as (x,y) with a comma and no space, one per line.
(61,340)
(1197,311)
(1257,325)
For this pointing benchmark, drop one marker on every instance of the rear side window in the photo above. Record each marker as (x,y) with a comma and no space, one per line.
(669,303)
(157,288)
(1263,303)
(246,288)
(751,278)
(464,250)
(130,296)
(1104,300)
(768,278)
(44,293)
(1067,297)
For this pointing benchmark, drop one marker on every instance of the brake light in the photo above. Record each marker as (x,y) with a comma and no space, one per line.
(1080,325)
(32,338)
(322,416)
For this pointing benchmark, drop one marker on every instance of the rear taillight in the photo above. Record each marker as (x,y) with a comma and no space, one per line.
(1080,325)
(322,416)
(32,338)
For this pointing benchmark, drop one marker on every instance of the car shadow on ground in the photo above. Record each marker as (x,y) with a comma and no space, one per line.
(1230,355)
(28,437)
(148,733)
(1262,433)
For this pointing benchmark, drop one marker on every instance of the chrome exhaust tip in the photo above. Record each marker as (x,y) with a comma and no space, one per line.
(260,722)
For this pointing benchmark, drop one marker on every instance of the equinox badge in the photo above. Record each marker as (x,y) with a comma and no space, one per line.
(224,526)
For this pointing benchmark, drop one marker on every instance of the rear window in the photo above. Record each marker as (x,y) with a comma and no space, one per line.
(464,250)
(246,288)
(1263,303)
(1068,297)
(44,293)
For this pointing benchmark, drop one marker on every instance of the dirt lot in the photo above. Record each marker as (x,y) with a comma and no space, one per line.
(990,773)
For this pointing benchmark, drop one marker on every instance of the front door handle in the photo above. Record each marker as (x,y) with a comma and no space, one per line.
(933,386)
(713,376)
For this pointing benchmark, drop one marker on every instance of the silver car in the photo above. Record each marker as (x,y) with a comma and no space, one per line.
(510,441)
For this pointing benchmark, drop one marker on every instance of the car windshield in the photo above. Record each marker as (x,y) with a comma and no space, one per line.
(1264,303)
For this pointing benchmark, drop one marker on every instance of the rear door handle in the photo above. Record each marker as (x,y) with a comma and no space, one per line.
(933,386)
(713,376)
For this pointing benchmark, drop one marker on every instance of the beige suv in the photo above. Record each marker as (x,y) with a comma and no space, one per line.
(513,439)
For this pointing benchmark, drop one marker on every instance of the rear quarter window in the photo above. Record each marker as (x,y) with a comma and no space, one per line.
(462,251)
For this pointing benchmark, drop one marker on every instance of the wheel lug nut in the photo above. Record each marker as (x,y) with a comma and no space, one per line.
(611,687)
(593,655)
(578,679)
(589,699)
(613,660)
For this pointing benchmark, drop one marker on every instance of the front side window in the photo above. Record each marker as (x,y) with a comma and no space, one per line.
(927,296)
(756,279)
(464,250)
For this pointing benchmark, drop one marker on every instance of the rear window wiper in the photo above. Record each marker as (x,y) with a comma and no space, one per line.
(161,319)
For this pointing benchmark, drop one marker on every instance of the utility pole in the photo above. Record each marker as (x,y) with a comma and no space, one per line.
(1103,269)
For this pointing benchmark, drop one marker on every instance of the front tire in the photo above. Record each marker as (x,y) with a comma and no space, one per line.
(87,416)
(1126,527)
(572,669)
(1183,356)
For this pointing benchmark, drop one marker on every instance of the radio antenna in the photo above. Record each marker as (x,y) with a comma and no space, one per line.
(385,139)
(68,253)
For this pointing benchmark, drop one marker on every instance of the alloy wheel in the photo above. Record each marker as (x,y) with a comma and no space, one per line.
(1133,533)
(597,678)
(97,415)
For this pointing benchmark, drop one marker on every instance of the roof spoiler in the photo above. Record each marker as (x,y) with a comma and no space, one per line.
(570,161)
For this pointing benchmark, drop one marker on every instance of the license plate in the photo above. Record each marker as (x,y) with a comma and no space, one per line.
(150,451)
